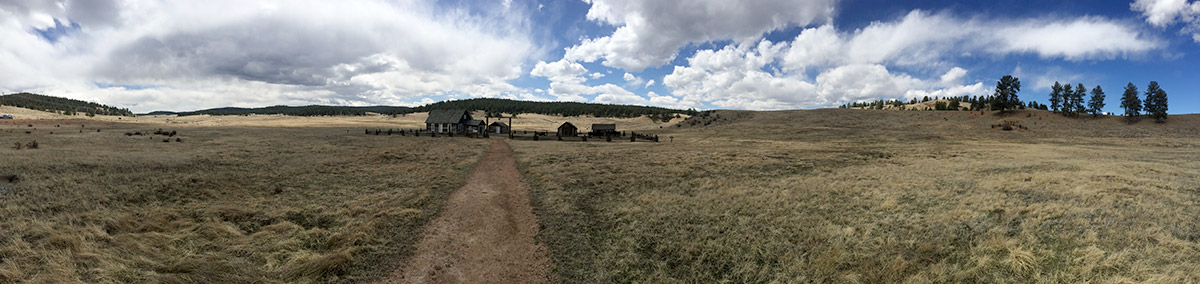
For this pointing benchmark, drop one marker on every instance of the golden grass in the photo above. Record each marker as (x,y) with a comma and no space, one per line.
(859,196)
(227,205)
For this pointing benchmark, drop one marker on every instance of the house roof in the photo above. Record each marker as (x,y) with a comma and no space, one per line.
(604,126)
(501,124)
(566,124)
(475,122)
(445,116)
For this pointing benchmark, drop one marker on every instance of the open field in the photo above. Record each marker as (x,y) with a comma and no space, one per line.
(225,205)
(860,196)
(831,195)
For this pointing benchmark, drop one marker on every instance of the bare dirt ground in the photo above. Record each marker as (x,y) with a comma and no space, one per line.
(485,234)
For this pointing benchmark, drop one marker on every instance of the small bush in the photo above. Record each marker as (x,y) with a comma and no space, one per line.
(32,144)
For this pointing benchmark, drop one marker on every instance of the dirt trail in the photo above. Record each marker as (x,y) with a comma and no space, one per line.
(485,234)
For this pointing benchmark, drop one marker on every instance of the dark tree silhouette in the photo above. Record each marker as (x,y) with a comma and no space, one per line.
(1156,102)
(1096,104)
(1056,96)
(1131,103)
(1006,93)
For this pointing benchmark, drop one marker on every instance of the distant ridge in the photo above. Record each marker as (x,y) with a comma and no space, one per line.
(311,110)
(489,105)
(60,105)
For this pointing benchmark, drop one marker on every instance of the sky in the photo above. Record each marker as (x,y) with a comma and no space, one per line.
(180,55)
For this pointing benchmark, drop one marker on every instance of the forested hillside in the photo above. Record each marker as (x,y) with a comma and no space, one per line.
(491,106)
(313,110)
(60,105)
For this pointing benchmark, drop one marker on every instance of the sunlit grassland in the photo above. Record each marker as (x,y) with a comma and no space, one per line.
(225,205)
(915,198)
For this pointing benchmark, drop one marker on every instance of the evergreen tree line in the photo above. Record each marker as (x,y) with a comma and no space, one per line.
(1070,102)
(1155,104)
(1004,98)
(312,110)
(494,107)
(1066,99)
(60,105)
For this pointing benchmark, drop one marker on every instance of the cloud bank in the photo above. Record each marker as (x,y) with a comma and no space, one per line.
(193,54)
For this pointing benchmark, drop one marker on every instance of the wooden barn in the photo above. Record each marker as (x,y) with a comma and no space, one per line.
(567,129)
(449,121)
(499,128)
(604,129)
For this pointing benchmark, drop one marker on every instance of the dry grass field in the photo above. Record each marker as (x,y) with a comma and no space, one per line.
(828,196)
(228,204)
(864,196)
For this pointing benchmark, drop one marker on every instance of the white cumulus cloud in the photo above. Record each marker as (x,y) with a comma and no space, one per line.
(299,52)
(1162,13)
(650,33)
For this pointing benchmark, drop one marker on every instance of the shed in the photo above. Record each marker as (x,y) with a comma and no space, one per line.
(499,128)
(567,129)
(475,126)
(604,129)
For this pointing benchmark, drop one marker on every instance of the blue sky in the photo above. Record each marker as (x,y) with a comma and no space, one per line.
(704,54)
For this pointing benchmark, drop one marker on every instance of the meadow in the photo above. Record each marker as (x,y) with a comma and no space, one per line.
(232,204)
(827,196)
(864,196)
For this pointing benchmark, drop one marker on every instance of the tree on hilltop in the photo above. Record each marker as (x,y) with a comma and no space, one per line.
(1077,100)
(1096,104)
(1067,92)
(1006,93)
(1131,103)
(1056,96)
(1156,102)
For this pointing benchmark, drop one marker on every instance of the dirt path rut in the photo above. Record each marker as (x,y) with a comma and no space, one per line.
(485,234)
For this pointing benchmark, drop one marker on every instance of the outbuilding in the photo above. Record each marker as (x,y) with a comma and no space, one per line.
(603,129)
(499,128)
(475,126)
(567,129)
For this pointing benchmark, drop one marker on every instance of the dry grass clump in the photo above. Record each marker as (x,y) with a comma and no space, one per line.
(842,201)
(237,205)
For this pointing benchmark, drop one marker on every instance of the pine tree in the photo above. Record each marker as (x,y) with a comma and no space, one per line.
(1156,102)
(1131,103)
(1056,96)
(1077,106)
(1067,92)
(1006,93)
(1096,104)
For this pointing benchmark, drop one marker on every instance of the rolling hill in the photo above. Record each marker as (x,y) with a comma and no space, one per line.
(488,105)
(60,105)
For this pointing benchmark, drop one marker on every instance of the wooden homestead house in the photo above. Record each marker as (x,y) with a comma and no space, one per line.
(604,129)
(499,128)
(453,121)
(567,129)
